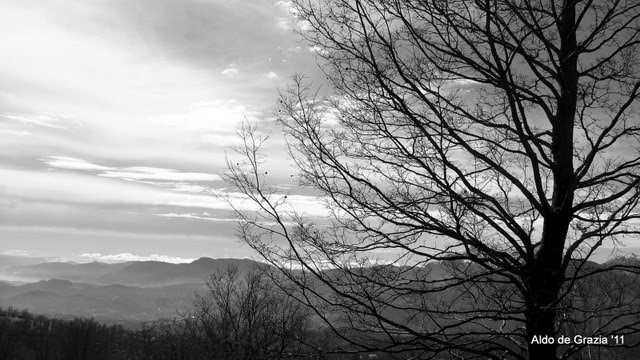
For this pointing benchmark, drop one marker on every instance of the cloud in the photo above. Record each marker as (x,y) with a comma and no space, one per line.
(136,84)
(230,71)
(202,130)
(208,217)
(140,77)
(317,49)
(98,191)
(203,31)
(149,173)
(284,23)
(23,253)
(311,206)
(197,216)
(286,6)
(462,82)
(129,173)
(271,75)
(69,163)
(125,257)
(188,188)
(44,120)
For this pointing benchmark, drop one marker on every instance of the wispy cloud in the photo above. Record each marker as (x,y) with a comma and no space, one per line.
(91,189)
(230,71)
(69,163)
(150,173)
(124,257)
(316,49)
(286,5)
(45,120)
(128,173)
(197,216)
(24,253)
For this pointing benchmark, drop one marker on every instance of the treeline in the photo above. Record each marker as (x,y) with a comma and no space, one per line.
(241,316)
(27,336)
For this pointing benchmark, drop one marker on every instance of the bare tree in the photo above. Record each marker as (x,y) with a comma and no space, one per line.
(483,148)
(244,316)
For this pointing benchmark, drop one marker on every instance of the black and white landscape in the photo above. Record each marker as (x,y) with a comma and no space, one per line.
(411,179)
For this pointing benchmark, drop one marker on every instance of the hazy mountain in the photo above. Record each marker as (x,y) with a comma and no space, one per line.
(135,273)
(89,272)
(114,302)
(150,290)
(154,273)
(602,255)
(145,290)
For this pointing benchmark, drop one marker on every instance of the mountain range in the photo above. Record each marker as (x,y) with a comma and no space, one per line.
(133,273)
(130,292)
(124,292)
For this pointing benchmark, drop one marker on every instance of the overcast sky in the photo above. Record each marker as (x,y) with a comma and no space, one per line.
(115,116)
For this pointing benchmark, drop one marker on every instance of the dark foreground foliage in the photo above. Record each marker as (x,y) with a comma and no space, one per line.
(27,336)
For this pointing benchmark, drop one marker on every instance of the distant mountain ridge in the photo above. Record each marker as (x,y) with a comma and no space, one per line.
(103,302)
(131,291)
(133,273)
(148,290)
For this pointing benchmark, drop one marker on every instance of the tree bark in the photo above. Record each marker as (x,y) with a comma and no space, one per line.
(544,282)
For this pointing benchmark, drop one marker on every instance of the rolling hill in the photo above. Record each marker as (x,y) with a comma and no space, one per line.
(134,273)
(131,291)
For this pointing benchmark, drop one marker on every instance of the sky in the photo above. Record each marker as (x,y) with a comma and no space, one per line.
(115,118)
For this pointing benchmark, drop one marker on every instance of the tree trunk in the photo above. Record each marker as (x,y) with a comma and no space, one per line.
(545,276)
(544,281)
(540,316)
(540,324)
